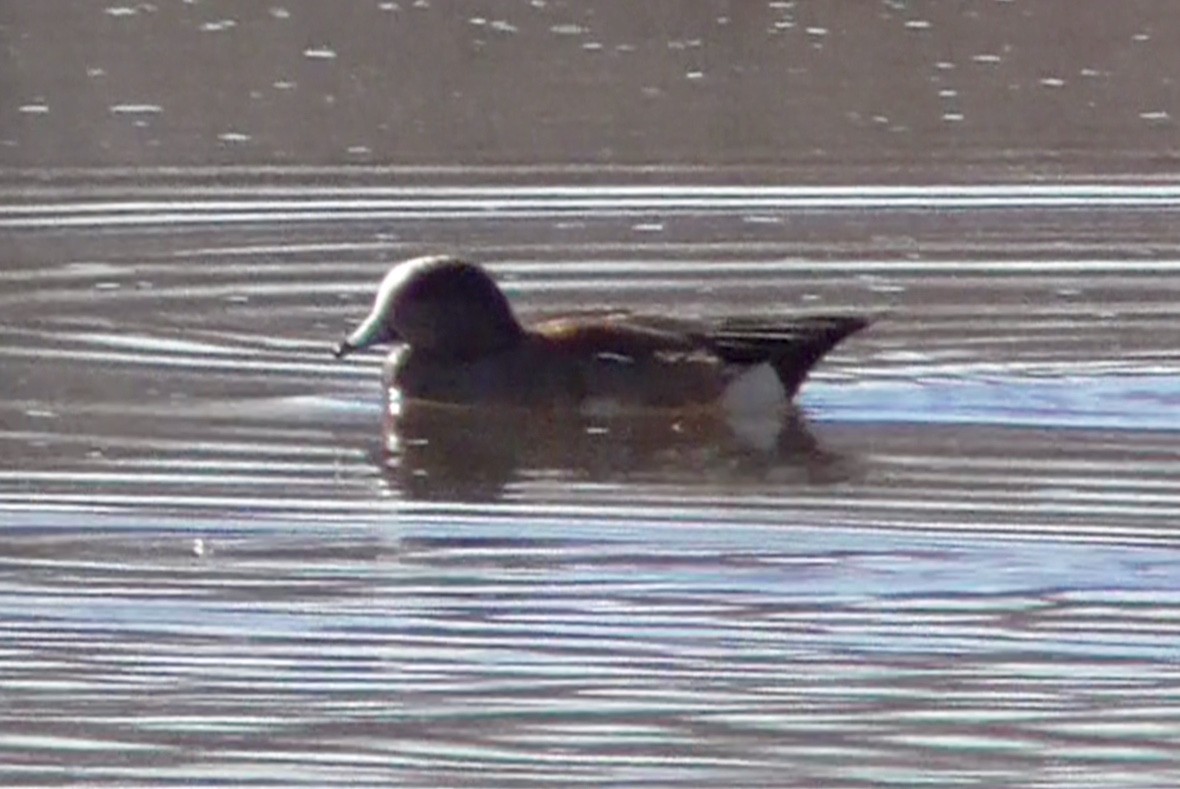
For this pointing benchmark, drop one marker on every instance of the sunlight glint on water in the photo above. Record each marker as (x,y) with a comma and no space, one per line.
(216,569)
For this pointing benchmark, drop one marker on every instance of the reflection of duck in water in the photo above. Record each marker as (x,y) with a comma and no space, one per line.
(646,394)
(461,344)
(447,453)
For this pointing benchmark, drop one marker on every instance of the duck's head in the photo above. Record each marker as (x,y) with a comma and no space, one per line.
(439,306)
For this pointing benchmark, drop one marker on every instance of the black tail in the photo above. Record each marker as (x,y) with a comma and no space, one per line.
(792,347)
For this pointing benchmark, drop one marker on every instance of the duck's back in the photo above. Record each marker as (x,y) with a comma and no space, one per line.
(620,362)
(657,361)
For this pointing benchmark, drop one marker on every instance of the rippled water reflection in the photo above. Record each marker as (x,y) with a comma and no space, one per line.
(222,562)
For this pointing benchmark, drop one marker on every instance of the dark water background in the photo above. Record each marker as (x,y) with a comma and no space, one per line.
(218,564)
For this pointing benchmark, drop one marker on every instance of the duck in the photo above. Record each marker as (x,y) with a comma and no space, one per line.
(457,341)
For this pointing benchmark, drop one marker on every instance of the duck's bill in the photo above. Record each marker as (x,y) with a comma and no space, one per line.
(371,332)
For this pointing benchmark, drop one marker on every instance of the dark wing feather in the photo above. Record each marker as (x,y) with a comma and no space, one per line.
(792,347)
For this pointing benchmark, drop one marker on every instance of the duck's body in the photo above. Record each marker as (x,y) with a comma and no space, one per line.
(461,343)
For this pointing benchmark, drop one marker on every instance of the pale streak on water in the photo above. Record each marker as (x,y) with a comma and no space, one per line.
(217,567)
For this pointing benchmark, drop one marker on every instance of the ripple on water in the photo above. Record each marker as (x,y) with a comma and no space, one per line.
(220,553)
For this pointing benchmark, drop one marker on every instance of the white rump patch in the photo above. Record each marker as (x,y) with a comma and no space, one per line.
(757,390)
(754,404)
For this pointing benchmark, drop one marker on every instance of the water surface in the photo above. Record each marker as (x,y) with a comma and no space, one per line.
(221,561)
(959,566)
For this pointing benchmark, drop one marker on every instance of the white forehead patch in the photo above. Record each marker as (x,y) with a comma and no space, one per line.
(398,276)
(387,292)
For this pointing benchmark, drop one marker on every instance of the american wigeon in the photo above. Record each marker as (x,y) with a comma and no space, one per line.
(461,343)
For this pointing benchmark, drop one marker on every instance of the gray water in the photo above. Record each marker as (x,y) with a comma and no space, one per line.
(223,562)
(220,563)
